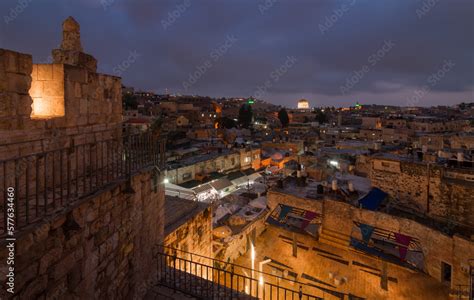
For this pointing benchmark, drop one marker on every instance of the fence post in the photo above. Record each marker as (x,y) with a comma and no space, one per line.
(231,281)
(174,269)
(128,161)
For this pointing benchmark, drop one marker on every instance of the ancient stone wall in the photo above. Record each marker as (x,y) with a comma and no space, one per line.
(99,248)
(47,91)
(194,235)
(437,246)
(425,189)
(51,106)
(15,102)
(237,245)
(454,201)
(291,200)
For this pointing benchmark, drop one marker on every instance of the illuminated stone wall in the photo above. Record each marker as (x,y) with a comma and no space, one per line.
(47,91)
(188,227)
(338,218)
(52,106)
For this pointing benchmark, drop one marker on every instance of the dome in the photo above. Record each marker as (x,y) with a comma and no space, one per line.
(303,103)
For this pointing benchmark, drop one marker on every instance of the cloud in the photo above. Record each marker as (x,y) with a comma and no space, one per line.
(285,28)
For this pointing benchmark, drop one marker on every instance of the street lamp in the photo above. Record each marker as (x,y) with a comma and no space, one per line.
(261,280)
(252,257)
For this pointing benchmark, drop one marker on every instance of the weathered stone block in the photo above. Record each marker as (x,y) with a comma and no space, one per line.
(58,72)
(45,72)
(18,83)
(77,90)
(83,106)
(24,105)
(10,61)
(34,72)
(76,74)
(35,288)
(58,222)
(53,88)
(3,81)
(66,264)
(49,259)
(7,109)
(41,233)
(25,64)
(26,275)
(74,277)
(23,244)
(36,89)
(92,214)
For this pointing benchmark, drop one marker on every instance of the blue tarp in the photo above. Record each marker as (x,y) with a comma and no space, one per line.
(285,210)
(366,231)
(373,199)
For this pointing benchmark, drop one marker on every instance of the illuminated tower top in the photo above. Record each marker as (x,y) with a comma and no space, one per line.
(71,35)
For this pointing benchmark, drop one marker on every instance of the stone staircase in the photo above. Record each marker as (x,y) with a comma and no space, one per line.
(334,238)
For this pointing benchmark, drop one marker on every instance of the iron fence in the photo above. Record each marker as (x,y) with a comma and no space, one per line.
(208,278)
(460,292)
(40,184)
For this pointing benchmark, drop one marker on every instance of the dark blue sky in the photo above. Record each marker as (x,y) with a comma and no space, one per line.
(402,52)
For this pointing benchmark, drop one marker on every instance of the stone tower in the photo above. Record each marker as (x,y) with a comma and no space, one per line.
(71,52)
(71,35)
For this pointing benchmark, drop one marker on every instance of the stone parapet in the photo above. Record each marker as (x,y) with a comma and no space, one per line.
(100,248)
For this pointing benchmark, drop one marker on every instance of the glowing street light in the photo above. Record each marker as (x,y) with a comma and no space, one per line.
(166,181)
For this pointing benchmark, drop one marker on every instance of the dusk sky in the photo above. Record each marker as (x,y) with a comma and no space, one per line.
(400,52)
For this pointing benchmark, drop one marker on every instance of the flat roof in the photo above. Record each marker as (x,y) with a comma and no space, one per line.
(178,211)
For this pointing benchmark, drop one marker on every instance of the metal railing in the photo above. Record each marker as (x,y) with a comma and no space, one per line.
(38,185)
(208,278)
(460,292)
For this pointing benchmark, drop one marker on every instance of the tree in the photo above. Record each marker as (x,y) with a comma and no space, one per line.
(130,102)
(155,127)
(226,122)
(245,115)
(321,117)
(283,116)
